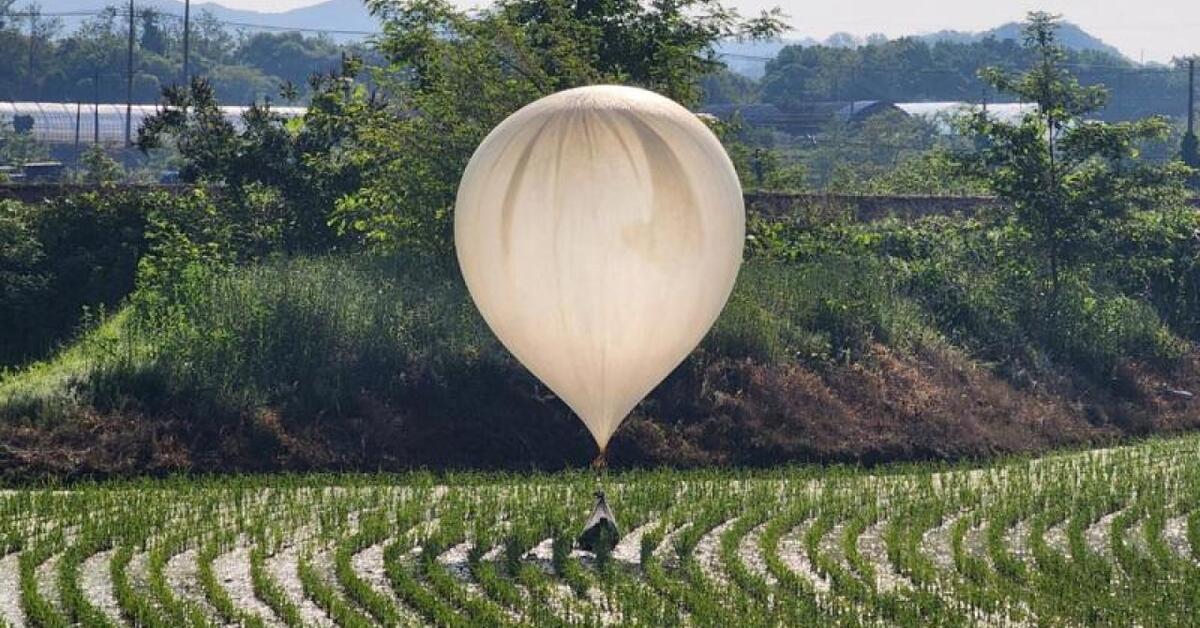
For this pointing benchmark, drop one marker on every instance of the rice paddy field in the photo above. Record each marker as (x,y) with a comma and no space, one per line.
(1108,537)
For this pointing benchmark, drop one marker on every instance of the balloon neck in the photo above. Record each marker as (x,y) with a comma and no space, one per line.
(600,463)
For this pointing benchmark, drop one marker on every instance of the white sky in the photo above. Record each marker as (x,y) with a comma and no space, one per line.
(1157,29)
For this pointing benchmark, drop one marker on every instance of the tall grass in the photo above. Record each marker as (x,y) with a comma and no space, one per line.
(309,334)
(313,331)
(813,311)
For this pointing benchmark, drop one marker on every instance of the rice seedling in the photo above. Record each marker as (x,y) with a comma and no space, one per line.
(1106,537)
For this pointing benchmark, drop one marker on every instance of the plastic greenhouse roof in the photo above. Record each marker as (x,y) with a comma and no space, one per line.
(63,123)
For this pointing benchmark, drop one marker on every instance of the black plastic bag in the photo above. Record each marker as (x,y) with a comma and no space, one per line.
(600,533)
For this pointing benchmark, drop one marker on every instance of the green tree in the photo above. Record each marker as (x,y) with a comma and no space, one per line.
(452,76)
(153,38)
(281,177)
(18,147)
(1065,176)
(22,280)
(98,167)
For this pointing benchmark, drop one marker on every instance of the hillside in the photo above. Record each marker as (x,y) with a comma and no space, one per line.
(1070,35)
(381,363)
(750,58)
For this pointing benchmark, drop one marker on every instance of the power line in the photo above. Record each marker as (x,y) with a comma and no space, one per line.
(897,68)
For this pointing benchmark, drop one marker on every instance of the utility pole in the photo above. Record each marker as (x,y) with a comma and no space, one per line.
(32,46)
(1190,152)
(187,19)
(1191,96)
(129,83)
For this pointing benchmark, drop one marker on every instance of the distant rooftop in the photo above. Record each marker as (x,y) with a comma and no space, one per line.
(808,118)
(941,113)
(812,118)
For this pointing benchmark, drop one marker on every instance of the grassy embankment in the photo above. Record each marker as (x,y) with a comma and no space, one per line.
(854,343)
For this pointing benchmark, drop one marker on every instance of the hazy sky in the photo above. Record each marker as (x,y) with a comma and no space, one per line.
(1159,29)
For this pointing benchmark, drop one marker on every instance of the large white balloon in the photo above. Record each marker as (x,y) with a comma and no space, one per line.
(600,232)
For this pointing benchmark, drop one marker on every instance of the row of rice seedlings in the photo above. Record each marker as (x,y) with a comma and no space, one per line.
(338,515)
(479,609)
(797,597)
(908,606)
(179,611)
(92,539)
(749,583)
(373,528)
(40,611)
(406,582)
(700,593)
(326,597)
(58,519)
(229,613)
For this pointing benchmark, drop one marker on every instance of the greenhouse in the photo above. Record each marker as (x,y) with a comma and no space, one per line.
(104,123)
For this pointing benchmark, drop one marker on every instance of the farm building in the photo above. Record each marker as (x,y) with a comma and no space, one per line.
(942,113)
(806,119)
(80,123)
(811,119)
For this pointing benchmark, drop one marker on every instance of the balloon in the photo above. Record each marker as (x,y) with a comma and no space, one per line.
(600,231)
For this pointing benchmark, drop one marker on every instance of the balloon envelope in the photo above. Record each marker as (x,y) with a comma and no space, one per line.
(600,231)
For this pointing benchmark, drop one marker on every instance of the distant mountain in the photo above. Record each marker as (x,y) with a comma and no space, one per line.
(750,58)
(1071,36)
(338,15)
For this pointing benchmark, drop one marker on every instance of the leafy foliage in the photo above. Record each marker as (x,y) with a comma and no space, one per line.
(504,57)
(1066,177)
(23,281)
(281,178)
(62,258)
(98,167)
(18,147)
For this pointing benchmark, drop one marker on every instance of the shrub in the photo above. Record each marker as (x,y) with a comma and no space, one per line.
(88,247)
(23,279)
(1095,331)
(1156,256)
(826,308)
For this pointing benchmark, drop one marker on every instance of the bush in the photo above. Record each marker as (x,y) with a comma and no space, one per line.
(80,253)
(814,311)
(969,279)
(23,279)
(1094,332)
(1156,256)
